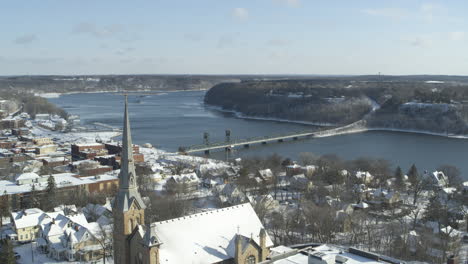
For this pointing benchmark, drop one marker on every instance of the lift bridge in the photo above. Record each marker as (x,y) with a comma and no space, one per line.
(228,144)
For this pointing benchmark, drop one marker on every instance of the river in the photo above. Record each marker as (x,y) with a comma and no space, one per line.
(171,120)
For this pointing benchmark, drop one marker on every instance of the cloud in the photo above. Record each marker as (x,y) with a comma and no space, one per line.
(457,35)
(25,39)
(240,14)
(291,3)
(279,42)
(392,13)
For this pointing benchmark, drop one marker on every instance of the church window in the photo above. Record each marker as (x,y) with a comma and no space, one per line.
(250,260)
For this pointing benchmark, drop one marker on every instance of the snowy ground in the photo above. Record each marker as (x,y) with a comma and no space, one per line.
(74,137)
(27,258)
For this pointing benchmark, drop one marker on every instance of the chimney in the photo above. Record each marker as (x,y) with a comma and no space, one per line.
(238,253)
(263,249)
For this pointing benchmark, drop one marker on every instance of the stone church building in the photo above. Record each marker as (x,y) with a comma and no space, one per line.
(229,235)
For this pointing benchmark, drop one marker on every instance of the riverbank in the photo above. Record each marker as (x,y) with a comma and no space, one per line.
(243,116)
(350,131)
(57,95)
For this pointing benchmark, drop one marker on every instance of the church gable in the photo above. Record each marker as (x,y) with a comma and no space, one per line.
(134,205)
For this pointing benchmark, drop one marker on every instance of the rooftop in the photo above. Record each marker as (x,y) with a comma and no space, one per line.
(213,238)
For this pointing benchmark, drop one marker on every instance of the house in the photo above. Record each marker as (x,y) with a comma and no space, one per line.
(364,176)
(26,222)
(299,182)
(266,202)
(189,182)
(72,238)
(381,197)
(436,178)
(266,175)
(230,194)
(293,169)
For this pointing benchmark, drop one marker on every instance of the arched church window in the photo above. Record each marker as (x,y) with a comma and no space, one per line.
(250,260)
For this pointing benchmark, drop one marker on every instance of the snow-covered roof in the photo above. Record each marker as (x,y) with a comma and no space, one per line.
(83,145)
(324,254)
(207,237)
(61,179)
(27,176)
(31,217)
(186,178)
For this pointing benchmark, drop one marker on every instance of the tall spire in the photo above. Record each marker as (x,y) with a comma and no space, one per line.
(127,170)
(128,189)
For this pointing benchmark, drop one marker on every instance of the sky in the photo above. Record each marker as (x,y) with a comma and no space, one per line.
(350,37)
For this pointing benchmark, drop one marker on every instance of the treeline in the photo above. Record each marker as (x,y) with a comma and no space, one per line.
(66,84)
(295,100)
(342,101)
(33,104)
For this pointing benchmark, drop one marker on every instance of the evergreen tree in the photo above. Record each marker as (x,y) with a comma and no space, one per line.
(7,255)
(435,211)
(399,181)
(413,175)
(49,200)
(33,199)
(4,207)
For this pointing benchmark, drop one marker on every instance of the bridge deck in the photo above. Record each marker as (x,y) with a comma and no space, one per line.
(356,126)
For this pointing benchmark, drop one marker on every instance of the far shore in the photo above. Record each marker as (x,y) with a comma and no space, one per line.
(360,130)
(57,95)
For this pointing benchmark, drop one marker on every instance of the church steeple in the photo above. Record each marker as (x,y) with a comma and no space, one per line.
(128,190)
(127,169)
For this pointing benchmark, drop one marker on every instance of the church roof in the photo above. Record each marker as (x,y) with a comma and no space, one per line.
(207,237)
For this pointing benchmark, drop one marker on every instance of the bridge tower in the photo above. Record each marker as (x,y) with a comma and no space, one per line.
(228,135)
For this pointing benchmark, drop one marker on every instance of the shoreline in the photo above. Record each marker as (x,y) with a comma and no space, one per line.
(242,116)
(360,130)
(57,95)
